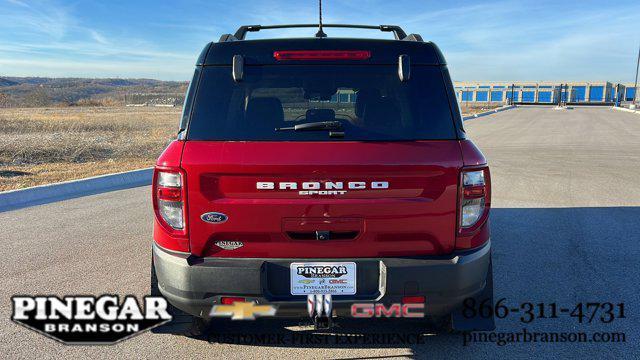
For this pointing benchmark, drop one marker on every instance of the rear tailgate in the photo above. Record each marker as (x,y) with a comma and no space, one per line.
(370,199)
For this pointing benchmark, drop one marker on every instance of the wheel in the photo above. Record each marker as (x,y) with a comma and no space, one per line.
(181,323)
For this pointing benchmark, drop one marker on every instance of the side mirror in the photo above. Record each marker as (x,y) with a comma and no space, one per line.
(238,68)
(404,68)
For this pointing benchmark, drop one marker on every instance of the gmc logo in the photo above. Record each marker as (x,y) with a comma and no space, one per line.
(368,310)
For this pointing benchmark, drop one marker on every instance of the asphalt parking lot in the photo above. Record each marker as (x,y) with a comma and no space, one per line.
(565,229)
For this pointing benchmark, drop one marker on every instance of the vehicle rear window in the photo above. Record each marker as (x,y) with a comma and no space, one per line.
(369,101)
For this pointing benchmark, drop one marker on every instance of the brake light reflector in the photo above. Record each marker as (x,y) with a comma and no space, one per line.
(413,299)
(229,300)
(169,194)
(322,55)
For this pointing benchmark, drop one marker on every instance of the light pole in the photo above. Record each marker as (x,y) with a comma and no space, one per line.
(512,88)
(635,85)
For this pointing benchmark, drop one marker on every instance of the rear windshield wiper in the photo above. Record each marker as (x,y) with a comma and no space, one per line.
(314,126)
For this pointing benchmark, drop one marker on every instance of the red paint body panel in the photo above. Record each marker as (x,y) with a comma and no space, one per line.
(170,157)
(415,215)
(471,155)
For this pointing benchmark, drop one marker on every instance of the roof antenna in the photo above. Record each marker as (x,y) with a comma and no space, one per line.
(320,33)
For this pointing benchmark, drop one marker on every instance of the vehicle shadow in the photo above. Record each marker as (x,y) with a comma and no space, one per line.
(540,255)
(347,333)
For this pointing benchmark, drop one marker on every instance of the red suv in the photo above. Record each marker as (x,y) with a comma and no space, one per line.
(321,166)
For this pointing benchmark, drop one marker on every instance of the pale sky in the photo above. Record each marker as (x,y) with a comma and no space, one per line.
(491,40)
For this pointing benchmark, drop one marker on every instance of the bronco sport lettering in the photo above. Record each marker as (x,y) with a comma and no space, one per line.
(313,188)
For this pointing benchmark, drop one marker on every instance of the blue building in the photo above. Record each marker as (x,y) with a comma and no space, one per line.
(529,93)
(544,92)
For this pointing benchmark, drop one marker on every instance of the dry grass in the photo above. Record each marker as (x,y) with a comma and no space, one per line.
(44,145)
(470,109)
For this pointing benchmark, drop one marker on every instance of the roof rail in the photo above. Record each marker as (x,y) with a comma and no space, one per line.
(398,33)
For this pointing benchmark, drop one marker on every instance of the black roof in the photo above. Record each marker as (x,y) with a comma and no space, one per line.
(260,52)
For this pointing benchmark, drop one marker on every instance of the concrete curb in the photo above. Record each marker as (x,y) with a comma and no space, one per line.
(625,110)
(43,194)
(503,108)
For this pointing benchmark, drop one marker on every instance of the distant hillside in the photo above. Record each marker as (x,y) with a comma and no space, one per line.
(7,82)
(36,91)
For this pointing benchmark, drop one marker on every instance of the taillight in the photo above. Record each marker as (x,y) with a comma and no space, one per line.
(169,199)
(321,55)
(473,207)
(472,203)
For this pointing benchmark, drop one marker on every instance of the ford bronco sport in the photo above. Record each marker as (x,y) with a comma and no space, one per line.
(321,166)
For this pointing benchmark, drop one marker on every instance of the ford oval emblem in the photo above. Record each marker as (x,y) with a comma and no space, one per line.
(214,217)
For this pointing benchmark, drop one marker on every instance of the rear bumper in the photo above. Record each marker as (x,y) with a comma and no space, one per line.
(194,284)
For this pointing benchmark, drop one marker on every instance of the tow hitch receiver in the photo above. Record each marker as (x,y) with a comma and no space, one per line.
(319,308)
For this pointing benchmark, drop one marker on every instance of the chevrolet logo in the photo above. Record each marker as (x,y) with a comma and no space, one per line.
(243,310)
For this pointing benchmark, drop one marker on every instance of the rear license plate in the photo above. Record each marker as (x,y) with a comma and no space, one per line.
(335,278)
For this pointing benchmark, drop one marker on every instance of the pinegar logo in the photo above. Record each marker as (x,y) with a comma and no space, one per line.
(87,320)
(319,271)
